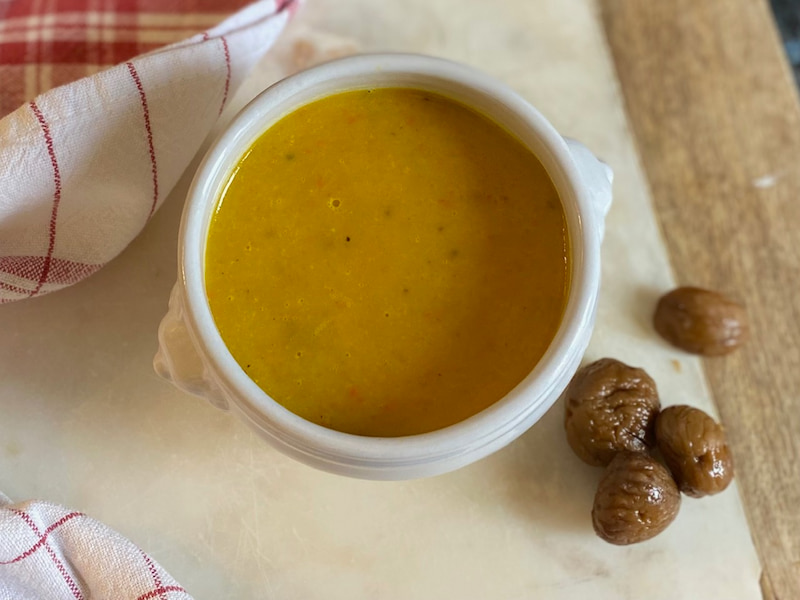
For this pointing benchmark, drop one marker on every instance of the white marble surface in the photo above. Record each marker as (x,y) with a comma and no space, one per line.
(85,421)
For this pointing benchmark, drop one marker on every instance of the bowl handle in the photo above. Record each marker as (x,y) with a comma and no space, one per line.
(178,359)
(597,176)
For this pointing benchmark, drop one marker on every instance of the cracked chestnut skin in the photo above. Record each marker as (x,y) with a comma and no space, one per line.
(636,499)
(701,321)
(610,407)
(695,449)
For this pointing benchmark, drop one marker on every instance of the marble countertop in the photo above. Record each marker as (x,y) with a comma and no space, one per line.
(87,423)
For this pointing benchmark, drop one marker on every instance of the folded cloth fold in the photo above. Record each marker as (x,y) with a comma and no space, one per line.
(48,552)
(84,166)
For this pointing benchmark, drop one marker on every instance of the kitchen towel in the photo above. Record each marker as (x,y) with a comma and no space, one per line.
(48,552)
(83,166)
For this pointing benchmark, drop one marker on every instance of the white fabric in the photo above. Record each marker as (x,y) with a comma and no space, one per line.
(84,166)
(82,169)
(50,553)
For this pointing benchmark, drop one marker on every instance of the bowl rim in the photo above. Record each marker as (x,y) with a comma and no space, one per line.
(545,381)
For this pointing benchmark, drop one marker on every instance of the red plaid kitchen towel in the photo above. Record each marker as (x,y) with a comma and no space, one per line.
(48,552)
(83,166)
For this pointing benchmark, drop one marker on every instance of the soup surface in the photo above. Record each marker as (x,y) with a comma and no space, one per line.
(387,262)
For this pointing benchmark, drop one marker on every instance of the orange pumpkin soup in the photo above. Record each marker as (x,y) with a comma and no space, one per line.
(387,262)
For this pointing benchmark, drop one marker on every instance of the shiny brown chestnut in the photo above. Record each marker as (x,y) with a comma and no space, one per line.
(636,499)
(610,407)
(695,449)
(701,321)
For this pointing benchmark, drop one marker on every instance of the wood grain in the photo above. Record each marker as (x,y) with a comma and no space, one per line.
(716,116)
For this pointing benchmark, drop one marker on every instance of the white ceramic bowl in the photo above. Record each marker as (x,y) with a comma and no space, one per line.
(193,356)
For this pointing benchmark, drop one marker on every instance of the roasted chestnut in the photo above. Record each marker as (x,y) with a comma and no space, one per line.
(610,407)
(695,450)
(636,499)
(701,321)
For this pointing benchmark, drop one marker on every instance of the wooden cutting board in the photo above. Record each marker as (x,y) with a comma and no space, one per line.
(716,118)
(231,518)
